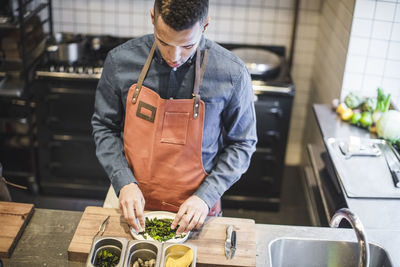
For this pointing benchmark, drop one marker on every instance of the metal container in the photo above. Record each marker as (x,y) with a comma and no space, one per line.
(145,250)
(66,48)
(177,250)
(117,245)
(261,63)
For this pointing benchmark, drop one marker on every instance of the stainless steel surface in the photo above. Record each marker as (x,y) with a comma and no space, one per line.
(355,222)
(362,177)
(116,245)
(258,61)
(313,252)
(91,75)
(145,250)
(312,238)
(177,250)
(68,52)
(392,162)
(369,150)
(260,87)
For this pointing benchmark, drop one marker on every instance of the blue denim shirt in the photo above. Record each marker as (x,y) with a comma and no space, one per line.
(229,134)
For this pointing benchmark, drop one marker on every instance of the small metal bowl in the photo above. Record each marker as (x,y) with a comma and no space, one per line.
(176,250)
(117,245)
(145,250)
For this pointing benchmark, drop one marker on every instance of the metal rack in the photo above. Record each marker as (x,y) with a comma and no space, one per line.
(25,28)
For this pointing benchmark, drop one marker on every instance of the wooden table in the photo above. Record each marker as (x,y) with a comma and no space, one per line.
(46,239)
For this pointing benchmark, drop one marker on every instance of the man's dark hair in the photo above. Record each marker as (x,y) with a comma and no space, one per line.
(181,14)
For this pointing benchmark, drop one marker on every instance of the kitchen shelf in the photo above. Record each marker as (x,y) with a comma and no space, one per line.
(27,16)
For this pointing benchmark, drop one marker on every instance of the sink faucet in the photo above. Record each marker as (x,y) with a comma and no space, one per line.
(355,222)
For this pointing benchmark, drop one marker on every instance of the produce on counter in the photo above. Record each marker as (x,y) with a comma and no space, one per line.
(372,114)
(352,100)
(388,126)
(106,258)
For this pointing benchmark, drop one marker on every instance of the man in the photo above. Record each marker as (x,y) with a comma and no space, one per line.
(174,120)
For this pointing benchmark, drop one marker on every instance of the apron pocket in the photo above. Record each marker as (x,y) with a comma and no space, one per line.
(175,128)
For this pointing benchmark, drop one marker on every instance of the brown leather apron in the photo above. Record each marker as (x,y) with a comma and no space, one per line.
(162,142)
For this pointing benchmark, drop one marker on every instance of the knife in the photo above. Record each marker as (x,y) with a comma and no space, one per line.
(228,241)
(233,244)
(392,162)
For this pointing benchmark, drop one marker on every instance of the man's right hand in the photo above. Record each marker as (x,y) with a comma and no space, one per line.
(131,202)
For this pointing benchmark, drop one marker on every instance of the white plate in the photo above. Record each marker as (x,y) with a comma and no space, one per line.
(159,215)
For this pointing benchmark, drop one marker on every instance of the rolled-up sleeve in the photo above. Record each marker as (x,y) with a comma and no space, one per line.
(107,123)
(240,138)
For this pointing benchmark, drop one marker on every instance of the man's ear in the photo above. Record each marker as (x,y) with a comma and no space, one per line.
(206,24)
(152,15)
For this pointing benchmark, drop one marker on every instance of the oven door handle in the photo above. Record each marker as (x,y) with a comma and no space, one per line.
(277,111)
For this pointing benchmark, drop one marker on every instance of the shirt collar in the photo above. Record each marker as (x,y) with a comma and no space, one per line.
(158,58)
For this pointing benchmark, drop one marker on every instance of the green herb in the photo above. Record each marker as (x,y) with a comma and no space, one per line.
(159,229)
(383,101)
(105,258)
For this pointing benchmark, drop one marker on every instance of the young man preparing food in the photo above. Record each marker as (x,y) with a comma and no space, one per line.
(174,120)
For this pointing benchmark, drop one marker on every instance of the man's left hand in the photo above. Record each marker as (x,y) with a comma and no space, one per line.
(191,214)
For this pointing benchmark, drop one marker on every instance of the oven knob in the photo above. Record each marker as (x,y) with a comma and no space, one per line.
(80,69)
(52,68)
(90,70)
(71,69)
(61,69)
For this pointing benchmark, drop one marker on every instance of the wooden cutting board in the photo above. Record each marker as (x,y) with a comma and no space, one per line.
(209,240)
(13,220)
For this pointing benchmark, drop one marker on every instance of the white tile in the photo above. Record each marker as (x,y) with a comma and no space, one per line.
(390,85)
(385,11)
(95,29)
(68,16)
(375,66)
(286,3)
(95,18)
(68,27)
(378,48)
(68,4)
(109,18)
(82,28)
(370,85)
(254,13)
(361,27)
(269,14)
(81,17)
(352,81)
(123,19)
(94,4)
(397,13)
(364,9)
(392,69)
(381,30)
(394,51)
(395,32)
(253,27)
(109,6)
(285,15)
(355,64)
(358,46)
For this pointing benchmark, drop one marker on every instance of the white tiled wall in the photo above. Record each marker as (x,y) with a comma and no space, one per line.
(373,59)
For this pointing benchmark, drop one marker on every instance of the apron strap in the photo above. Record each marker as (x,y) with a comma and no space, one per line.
(199,74)
(143,74)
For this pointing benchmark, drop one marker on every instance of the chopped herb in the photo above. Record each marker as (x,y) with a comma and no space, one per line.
(159,229)
(105,258)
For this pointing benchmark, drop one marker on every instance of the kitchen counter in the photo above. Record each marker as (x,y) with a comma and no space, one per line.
(47,236)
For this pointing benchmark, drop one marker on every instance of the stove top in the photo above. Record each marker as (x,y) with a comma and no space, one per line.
(90,67)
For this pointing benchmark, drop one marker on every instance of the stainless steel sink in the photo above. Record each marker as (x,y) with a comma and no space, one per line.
(287,252)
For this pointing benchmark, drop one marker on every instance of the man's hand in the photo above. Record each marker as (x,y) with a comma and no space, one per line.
(131,202)
(191,214)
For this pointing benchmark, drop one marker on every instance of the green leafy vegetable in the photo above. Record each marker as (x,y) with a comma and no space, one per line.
(105,258)
(383,102)
(159,229)
(352,100)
